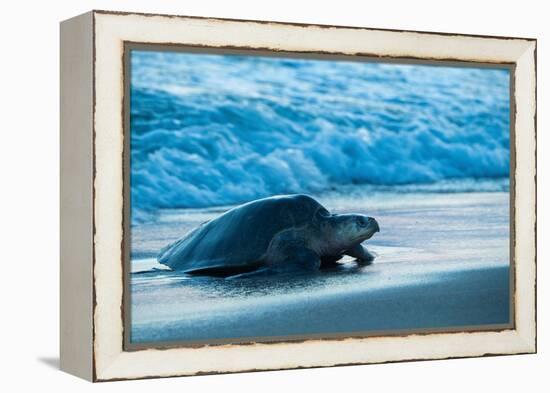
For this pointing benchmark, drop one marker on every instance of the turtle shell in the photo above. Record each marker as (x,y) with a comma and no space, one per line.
(237,240)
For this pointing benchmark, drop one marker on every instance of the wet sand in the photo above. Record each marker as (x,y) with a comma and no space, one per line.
(442,263)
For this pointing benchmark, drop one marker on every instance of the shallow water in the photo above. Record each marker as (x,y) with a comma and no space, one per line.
(442,260)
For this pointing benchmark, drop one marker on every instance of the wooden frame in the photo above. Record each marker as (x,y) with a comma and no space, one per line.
(92,193)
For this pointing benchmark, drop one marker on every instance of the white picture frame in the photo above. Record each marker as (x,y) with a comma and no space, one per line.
(93,193)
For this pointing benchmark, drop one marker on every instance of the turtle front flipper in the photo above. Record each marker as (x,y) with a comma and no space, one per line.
(361,254)
(293,257)
(302,259)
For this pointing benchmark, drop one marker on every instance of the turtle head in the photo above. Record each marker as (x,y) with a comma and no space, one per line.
(349,229)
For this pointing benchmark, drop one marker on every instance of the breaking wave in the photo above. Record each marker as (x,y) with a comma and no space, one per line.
(211,130)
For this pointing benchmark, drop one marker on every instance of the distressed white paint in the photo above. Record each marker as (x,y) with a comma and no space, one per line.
(112,30)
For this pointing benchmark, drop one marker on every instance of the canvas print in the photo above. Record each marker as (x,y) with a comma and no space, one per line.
(277,198)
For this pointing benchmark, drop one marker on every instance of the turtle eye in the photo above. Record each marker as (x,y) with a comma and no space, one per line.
(362,221)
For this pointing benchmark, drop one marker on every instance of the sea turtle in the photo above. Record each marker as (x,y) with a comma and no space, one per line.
(279,233)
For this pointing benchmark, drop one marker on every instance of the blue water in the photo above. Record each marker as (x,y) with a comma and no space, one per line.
(210,130)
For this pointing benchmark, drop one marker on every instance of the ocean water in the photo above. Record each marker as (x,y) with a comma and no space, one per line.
(216,130)
(424,149)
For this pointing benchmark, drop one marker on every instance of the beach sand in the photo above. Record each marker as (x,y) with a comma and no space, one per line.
(442,262)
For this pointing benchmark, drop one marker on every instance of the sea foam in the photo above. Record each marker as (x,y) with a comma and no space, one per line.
(210,130)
